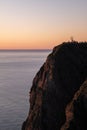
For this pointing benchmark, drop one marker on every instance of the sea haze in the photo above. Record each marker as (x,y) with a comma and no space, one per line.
(17,70)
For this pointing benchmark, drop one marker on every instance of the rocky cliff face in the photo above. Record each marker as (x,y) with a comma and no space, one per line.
(57,102)
(76,111)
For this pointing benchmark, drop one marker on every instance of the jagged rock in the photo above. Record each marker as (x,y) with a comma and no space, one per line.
(54,87)
(76,111)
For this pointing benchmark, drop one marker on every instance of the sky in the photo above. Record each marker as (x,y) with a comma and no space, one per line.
(41,24)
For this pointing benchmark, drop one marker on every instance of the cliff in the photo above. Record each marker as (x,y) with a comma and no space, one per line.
(76,111)
(57,102)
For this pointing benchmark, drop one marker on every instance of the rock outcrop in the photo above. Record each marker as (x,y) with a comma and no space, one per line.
(57,102)
(76,111)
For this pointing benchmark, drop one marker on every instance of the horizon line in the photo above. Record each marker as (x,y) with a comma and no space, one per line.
(25,49)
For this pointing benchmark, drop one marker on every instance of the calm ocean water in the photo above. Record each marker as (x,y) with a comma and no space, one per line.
(17,70)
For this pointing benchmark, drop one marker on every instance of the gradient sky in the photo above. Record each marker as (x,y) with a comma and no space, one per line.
(32,24)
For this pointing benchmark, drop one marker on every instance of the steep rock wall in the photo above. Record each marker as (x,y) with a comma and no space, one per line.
(55,85)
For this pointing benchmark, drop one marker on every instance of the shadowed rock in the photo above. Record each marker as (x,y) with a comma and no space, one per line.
(54,87)
(76,111)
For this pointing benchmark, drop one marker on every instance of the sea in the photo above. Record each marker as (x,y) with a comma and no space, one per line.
(17,70)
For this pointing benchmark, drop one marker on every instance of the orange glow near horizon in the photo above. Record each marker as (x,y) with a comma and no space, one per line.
(41,24)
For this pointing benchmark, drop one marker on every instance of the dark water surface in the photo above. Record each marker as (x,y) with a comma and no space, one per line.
(17,70)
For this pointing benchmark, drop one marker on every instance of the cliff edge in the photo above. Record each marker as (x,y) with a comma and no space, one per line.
(58,98)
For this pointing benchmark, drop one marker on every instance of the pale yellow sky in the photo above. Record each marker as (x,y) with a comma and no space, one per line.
(37,24)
